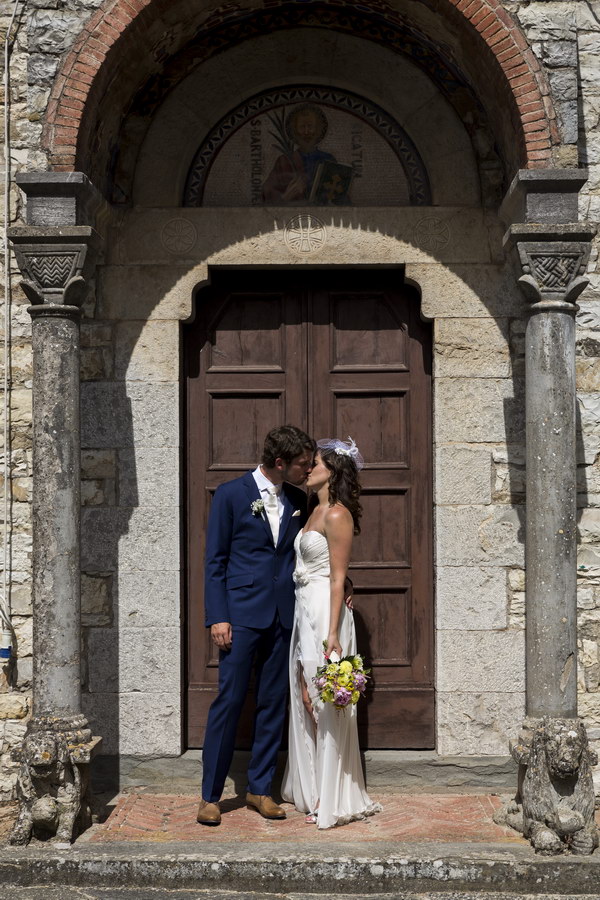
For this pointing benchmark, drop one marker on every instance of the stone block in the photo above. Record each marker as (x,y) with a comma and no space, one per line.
(559,54)
(149,477)
(148,599)
(588,525)
(479,410)
(588,374)
(143,539)
(96,600)
(20,407)
(549,21)
(14,706)
(466,291)
(134,659)
(95,363)
(137,724)
(472,724)
(585,598)
(50,31)
(126,414)
(471,598)
(98,464)
(23,626)
(152,292)
(516,579)
(517,610)
(147,351)
(96,334)
(20,599)
(479,535)
(493,660)
(471,347)
(463,474)
(98,492)
(588,706)
(589,412)
(509,483)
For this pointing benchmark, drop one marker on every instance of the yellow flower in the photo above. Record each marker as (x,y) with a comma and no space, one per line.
(327,695)
(355,696)
(358,661)
(343,680)
(331,669)
(346,667)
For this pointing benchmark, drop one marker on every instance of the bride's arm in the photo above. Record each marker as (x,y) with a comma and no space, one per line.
(338,527)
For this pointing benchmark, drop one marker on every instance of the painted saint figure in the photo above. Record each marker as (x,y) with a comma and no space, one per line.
(292,176)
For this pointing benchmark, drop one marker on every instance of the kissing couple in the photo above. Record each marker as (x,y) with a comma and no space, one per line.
(275,583)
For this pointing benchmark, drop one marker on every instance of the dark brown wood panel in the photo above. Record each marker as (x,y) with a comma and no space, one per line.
(337,354)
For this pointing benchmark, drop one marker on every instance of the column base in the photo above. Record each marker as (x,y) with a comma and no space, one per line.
(554,804)
(53,786)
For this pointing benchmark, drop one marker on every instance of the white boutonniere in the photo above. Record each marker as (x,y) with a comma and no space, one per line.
(257,507)
(296,513)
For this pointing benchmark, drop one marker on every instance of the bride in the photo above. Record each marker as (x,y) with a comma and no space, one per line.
(323,776)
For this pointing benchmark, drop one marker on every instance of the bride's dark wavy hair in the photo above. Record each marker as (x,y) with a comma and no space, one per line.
(344,486)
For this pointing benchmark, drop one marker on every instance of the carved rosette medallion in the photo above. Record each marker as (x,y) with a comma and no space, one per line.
(305,234)
(432,233)
(178,236)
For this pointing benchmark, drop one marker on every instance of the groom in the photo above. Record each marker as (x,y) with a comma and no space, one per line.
(249,601)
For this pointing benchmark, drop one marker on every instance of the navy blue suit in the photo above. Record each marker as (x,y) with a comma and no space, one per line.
(248,582)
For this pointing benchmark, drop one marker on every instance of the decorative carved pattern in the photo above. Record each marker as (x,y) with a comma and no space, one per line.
(178,236)
(54,262)
(418,182)
(554,273)
(432,233)
(305,234)
(553,270)
(51,270)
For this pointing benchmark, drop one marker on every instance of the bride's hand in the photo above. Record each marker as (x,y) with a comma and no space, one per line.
(333,644)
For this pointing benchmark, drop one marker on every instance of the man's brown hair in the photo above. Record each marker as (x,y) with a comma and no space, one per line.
(286,442)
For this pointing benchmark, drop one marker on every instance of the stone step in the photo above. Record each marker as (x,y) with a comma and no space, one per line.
(64,892)
(399,770)
(270,871)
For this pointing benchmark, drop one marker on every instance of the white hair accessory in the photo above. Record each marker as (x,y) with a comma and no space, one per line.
(343,448)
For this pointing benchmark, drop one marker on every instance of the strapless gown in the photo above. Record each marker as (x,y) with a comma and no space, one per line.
(323,771)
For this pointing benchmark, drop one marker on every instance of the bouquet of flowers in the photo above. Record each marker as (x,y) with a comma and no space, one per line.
(341,681)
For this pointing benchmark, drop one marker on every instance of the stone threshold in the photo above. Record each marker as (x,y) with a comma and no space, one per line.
(325,869)
(399,770)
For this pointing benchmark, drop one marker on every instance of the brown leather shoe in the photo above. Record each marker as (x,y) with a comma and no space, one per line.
(266,806)
(208,813)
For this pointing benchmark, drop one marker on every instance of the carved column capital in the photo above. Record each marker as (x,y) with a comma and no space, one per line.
(55,263)
(553,261)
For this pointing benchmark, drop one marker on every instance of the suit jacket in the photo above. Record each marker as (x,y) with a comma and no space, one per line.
(246,578)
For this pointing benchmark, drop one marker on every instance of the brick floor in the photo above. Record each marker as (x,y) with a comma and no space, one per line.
(420,817)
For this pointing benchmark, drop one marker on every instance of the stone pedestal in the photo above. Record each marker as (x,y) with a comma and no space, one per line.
(53,780)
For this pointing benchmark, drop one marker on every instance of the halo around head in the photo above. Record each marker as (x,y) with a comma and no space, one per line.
(343,448)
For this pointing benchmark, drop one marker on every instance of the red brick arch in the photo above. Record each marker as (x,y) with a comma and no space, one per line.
(489,30)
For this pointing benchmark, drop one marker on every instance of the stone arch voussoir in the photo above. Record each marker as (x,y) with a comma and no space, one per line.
(519,75)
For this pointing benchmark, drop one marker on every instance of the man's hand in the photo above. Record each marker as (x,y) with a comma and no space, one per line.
(221,634)
(348,588)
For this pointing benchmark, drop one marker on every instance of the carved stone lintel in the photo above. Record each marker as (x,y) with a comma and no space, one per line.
(55,262)
(53,783)
(554,808)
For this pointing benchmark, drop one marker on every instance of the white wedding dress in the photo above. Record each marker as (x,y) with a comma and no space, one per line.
(323,772)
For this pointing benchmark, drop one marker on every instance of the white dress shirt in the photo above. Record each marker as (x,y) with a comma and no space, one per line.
(263,484)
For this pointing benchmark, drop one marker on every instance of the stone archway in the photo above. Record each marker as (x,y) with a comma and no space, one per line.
(101,72)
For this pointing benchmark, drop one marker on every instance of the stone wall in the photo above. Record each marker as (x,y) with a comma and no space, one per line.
(130,487)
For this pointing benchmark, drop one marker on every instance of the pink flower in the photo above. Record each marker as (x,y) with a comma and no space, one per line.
(342,697)
(359,681)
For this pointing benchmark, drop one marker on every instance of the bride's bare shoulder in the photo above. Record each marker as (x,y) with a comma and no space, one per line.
(337,516)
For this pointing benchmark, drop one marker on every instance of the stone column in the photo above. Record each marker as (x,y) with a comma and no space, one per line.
(52,784)
(555,801)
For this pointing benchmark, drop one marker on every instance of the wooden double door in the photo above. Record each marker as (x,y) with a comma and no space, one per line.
(338,355)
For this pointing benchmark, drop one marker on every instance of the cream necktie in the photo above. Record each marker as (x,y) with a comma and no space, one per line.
(272,510)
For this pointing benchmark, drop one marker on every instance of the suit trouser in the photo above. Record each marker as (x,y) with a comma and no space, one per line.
(268,650)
